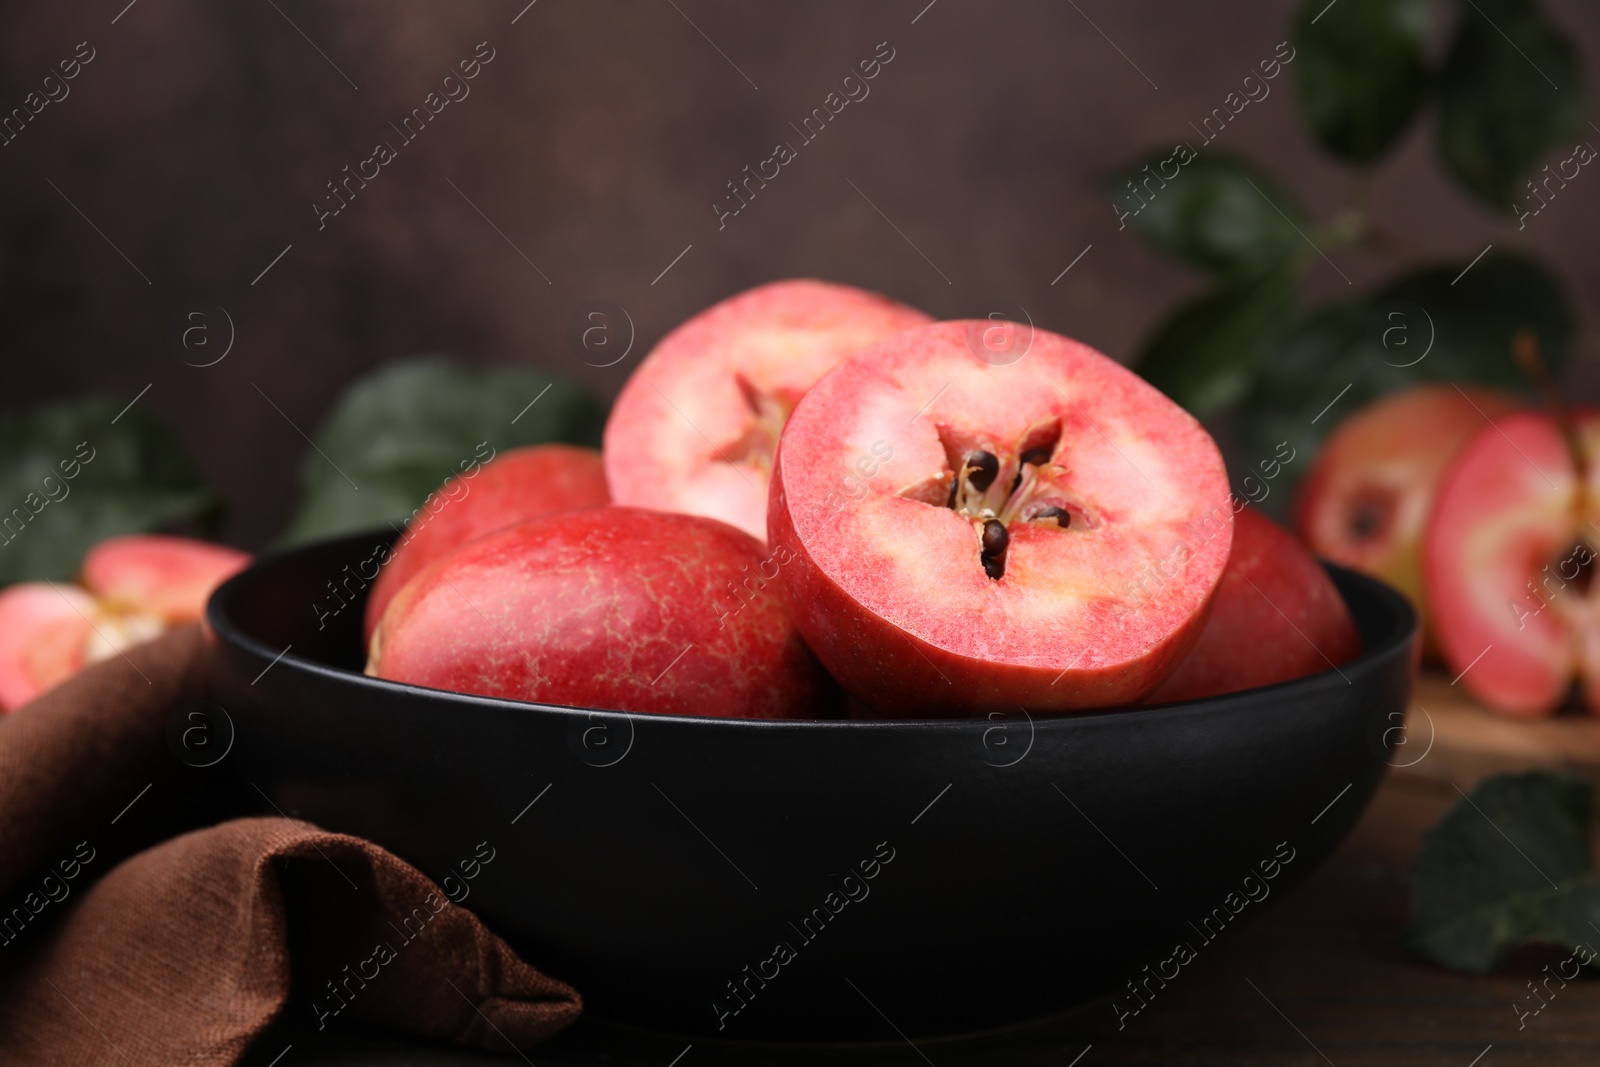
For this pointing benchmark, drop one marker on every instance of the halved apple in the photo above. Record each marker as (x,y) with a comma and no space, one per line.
(44,638)
(694,428)
(1366,500)
(135,587)
(970,536)
(1508,556)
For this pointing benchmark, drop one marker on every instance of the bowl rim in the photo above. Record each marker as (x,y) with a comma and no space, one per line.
(1398,631)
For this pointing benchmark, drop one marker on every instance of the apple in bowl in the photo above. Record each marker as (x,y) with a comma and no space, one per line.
(518,485)
(970,536)
(694,428)
(614,607)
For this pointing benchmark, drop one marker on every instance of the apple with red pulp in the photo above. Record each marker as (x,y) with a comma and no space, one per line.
(615,607)
(517,485)
(1277,616)
(1509,556)
(969,536)
(1367,498)
(694,428)
(134,587)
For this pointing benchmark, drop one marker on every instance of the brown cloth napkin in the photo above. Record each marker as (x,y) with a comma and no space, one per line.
(186,949)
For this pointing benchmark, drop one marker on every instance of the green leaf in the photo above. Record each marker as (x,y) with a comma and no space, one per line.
(1476,316)
(1510,91)
(398,433)
(1313,375)
(1508,866)
(1205,354)
(1219,213)
(138,477)
(1361,72)
(1419,327)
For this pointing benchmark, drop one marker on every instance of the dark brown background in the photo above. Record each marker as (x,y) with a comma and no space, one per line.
(201,134)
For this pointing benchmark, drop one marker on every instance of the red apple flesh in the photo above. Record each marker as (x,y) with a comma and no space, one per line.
(1366,500)
(44,635)
(616,608)
(138,586)
(893,474)
(1277,616)
(156,574)
(1508,556)
(695,426)
(515,486)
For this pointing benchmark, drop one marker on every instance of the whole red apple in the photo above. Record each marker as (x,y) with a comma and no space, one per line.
(516,485)
(134,588)
(1277,616)
(696,424)
(970,536)
(616,608)
(1509,552)
(1367,497)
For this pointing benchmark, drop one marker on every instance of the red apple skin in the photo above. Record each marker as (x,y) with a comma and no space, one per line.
(1500,558)
(515,486)
(1277,616)
(44,634)
(694,428)
(615,608)
(886,582)
(1366,500)
(156,574)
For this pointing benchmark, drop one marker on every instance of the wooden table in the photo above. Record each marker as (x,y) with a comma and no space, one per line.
(1316,979)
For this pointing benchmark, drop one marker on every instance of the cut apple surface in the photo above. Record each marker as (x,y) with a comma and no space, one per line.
(1508,554)
(968,536)
(1367,498)
(617,608)
(1277,616)
(157,574)
(515,486)
(44,636)
(695,426)
(135,587)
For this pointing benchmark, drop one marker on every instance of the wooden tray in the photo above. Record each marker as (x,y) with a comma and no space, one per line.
(1452,738)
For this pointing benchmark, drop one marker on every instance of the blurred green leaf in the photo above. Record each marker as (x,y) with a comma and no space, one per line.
(1510,91)
(138,477)
(1419,327)
(1205,354)
(1219,213)
(398,433)
(1476,316)
(1508,866)
(1313,375)
(1361,72)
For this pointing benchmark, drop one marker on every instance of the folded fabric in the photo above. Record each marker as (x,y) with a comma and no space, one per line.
(124,939)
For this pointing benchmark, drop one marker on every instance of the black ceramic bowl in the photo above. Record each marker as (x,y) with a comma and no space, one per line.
(814,881)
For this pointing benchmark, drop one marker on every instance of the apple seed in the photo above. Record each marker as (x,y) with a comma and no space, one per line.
(980,468)
(995,538)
